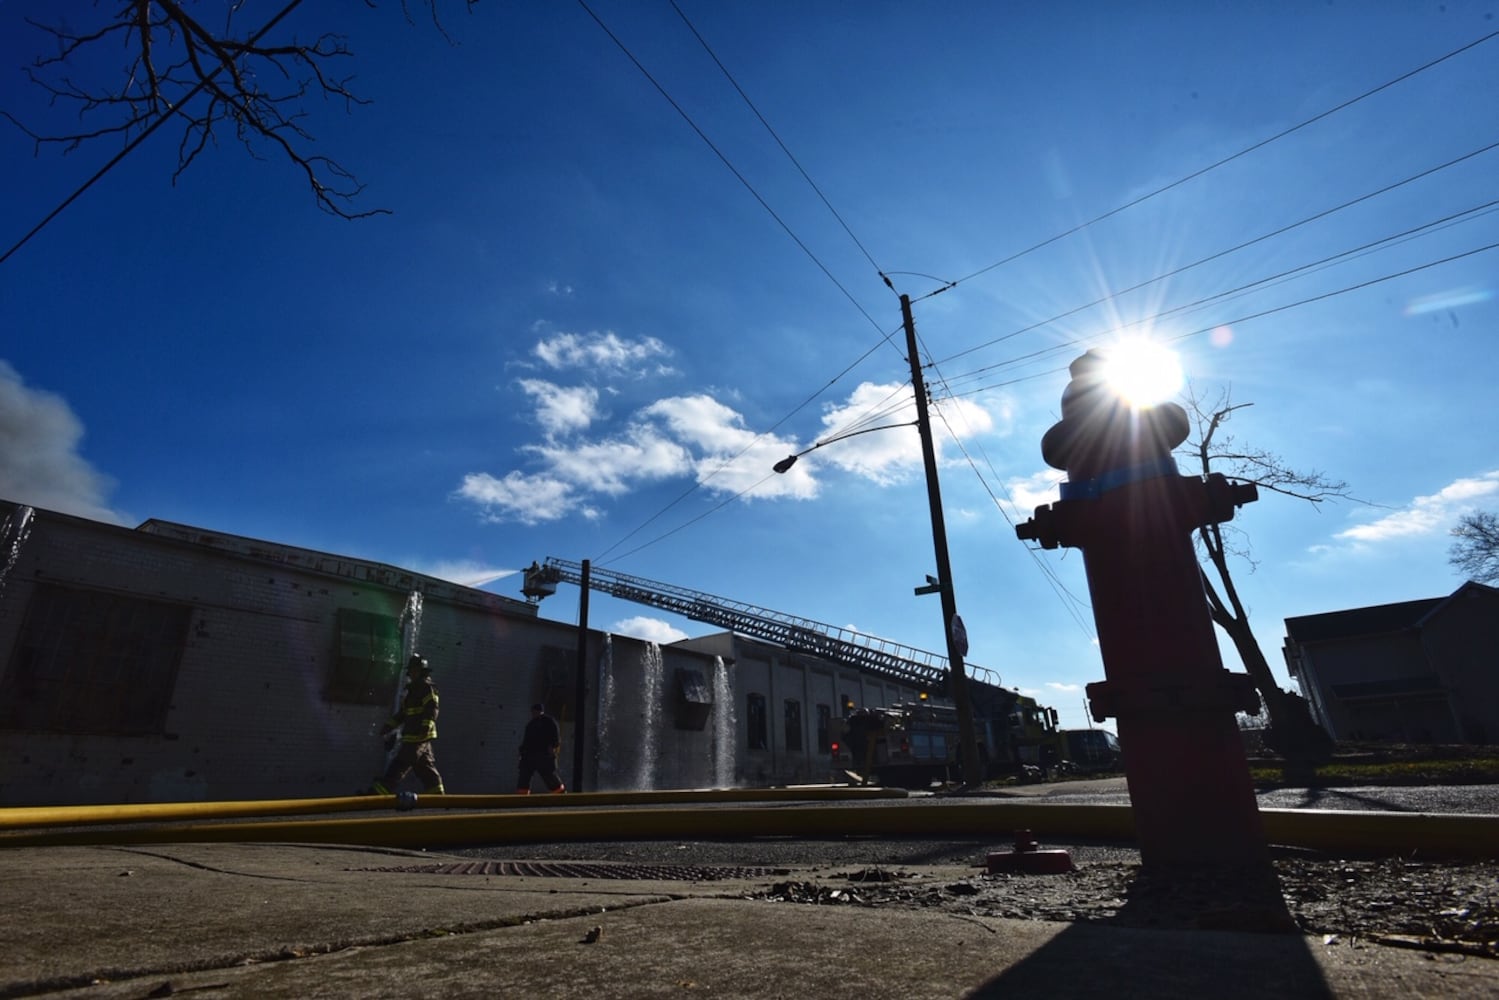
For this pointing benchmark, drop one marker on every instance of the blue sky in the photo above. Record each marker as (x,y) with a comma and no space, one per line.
(585,332)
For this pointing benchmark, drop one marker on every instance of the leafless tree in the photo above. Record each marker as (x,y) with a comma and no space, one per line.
(1475,554)
(1214,449)
(253,83)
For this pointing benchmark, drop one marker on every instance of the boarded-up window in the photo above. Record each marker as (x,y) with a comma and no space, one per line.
(87,661)
(367,662)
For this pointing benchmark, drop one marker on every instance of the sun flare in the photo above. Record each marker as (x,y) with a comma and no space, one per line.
(1143,372)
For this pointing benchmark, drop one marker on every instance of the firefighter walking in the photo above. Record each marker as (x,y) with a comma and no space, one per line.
(538,752)
(416,723)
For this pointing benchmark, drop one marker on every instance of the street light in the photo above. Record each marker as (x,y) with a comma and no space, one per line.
(952,626)
(790,460)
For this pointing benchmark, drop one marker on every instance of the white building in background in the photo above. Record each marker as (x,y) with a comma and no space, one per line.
(173,663)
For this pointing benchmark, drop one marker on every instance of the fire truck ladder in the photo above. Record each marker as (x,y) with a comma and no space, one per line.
(892,660)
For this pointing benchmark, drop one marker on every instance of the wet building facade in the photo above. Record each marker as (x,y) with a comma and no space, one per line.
(173,663)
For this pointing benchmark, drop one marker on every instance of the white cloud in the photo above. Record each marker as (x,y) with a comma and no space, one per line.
(39,461)
(613,467)
(678,436)
(893,454)
(559,409)
(1059,686)
(1029,492)
(606,350)
(649,629)
(1427,515)
(519,497)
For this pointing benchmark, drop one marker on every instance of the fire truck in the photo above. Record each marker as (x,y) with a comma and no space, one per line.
(914,744)
(911,743)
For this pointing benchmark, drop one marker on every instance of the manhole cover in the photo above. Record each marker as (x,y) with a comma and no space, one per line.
(578,869)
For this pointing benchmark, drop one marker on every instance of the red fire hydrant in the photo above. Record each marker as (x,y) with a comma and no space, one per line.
(1125,505)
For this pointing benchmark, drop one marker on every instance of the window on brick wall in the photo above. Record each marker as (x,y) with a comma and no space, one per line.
(792,713)
(824,723)
(367,662)
(88,661)
(755,728)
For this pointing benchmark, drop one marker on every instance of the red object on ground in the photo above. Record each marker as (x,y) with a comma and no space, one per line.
(1027,858)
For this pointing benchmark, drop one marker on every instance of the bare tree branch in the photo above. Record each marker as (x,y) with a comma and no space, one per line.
(1475,554)
(1215,450)
(175,66)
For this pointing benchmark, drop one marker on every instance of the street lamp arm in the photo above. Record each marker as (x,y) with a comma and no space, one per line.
(790,460)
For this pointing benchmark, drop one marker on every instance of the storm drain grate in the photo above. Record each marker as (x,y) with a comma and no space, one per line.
(575,869)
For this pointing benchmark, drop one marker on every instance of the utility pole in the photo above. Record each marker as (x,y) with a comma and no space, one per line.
(973,774)
(581,681)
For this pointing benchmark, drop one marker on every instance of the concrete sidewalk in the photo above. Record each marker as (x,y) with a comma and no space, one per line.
(261,920)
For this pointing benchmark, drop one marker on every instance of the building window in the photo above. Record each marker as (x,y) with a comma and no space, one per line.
(848,704)
(93,662)
(755,723)
(824,718)
(793,709)
(367,662)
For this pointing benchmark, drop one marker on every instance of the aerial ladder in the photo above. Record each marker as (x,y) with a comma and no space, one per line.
(905,664)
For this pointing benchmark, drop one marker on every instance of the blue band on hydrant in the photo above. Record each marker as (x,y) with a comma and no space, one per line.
(1092,489)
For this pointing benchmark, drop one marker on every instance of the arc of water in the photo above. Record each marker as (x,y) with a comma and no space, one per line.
(650,717)
(14,531)
(605,749)
(725,729)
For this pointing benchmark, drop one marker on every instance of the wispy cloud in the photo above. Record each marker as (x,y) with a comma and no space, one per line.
(39,461)
(518,497)
(606,351)
(1427,515)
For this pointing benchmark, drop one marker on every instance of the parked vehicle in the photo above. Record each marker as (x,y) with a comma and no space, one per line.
(1091,751)
(912,745)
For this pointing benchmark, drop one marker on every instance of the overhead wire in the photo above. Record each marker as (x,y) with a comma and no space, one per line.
(1223,161)
(791,156)
(1281,231)
(1277,278)
(885,336)
(723,158)
(951,284)
(1077,342)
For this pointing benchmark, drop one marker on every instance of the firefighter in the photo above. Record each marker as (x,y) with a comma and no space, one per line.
(538,752)
(416,723)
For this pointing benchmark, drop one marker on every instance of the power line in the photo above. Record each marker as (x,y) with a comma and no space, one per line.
(728,163)
(1078,342)
(1316,216)
(1278,278)
(777,138)
(1227,159)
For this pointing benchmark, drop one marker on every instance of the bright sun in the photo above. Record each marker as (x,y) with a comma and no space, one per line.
(1142,371)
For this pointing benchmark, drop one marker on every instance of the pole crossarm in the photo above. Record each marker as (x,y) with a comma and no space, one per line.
(889,659)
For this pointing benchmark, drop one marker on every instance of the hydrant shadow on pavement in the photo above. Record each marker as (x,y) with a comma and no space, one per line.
(1246,944)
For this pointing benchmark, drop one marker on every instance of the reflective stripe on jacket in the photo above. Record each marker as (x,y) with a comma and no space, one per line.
(417,718)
